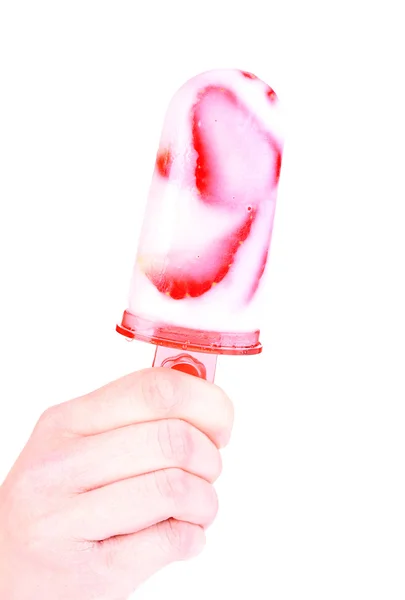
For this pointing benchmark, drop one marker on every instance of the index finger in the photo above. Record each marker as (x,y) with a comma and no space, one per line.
(151,395)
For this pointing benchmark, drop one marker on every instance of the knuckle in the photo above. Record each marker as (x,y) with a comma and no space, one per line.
(175,440)
(163,389)
(52,423)
(218,466)
(172,483)
(29,483)
(180,539)
(37,532)
(213,504)
(43,472)
(226,410)
(227,407)
(24,484)
(208,502)
(49,417)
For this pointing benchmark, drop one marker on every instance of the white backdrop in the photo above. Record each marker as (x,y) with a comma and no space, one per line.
(312,495)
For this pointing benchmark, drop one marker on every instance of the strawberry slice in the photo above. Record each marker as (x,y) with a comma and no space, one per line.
(248,75)
(236,169)
(164,161)
(182,276)
(237,160)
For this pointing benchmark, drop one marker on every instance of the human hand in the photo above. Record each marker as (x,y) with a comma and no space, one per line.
(111,487)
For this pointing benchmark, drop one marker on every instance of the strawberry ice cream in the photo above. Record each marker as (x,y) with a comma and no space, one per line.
(198,276)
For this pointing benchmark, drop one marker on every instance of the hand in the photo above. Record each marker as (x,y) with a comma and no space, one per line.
(111,487)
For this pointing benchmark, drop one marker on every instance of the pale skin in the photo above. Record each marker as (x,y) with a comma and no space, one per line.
(113,486)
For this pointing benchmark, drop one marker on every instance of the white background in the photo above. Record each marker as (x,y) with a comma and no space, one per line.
(312,495)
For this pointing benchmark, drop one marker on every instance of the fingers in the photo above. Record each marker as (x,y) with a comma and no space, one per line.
(137,449)
(134,504)
(138,556)
(149,395)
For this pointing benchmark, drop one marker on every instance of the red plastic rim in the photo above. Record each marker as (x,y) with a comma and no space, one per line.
(212,342)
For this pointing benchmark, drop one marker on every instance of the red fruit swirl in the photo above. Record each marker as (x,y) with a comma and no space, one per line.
(237,165)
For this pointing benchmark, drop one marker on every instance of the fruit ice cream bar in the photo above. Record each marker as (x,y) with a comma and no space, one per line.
(198,277)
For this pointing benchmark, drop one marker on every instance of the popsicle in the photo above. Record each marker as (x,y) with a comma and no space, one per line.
(197,287)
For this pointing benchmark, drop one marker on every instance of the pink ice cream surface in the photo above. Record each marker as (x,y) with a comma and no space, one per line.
(235,167)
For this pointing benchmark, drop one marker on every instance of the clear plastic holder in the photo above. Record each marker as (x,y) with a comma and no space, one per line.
(191,351)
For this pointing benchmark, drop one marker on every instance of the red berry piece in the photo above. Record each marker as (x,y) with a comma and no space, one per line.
(164,162)
(183,276)
(248,75)
(236,157)
(271,94)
